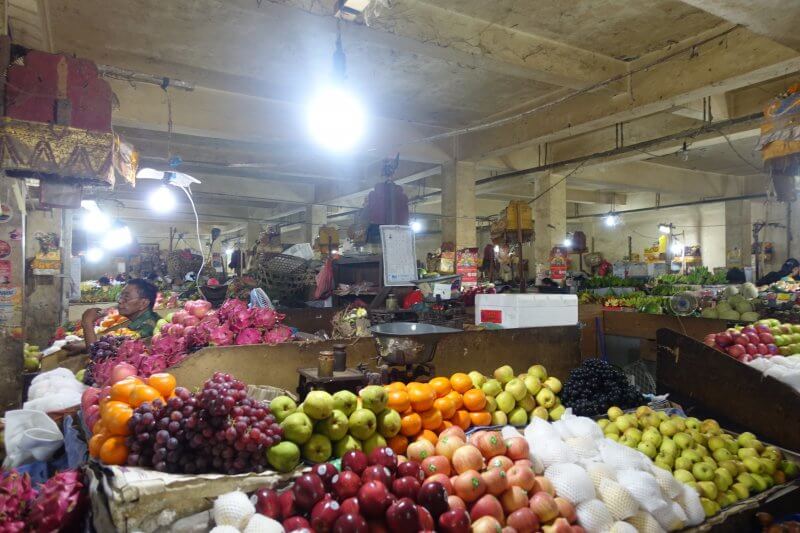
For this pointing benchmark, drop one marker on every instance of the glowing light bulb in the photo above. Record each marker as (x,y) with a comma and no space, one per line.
(416,226)
(118,237)
(336,119)
(162,200)
(93,255)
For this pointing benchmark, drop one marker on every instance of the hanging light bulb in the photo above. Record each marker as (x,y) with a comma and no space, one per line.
(568,242)
(416,226)
(611,220)
(94,254)
(162,200)
(119,237)
(666,229)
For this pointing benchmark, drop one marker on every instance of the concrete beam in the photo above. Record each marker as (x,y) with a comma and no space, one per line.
(775,19)
(575,196)
(737,59)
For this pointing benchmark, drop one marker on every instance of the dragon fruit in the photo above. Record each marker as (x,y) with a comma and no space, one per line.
(16,494)
(59,505)
(240,320)
(278,335)
(229,308)
(221,336)
(248,336)
(264,318)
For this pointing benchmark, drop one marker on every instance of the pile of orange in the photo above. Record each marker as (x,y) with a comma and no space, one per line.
(109,433)
(427,409)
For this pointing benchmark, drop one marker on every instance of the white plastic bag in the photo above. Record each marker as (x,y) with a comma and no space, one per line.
(30,435)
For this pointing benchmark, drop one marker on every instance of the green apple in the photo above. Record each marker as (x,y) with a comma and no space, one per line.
(374,397)
(614,413)
(557,412)
(683,463)
(603,422)
(517,389)
(732,446)
(533,384)
(682,475)
(345,401)
(527,403)
(648,449)
(668,428)
(710,507)
(769,465)
(652,436)
(701,450)
(722,454)
(753,465)
(772,452)
(363,424)
(745,438)
(347,444)
(710,460)
(740,490)
(492,387)
(504,374)
(388,423)
(724,499)
(715,443)
(505,401)
(666,458)
(477,378)
(759,483)
(623,423)
(545,398)
(643,410)
(554,384)
(281,407)
(540,412)
(375,441)
(538,371)
(722,479)
(317,449)
(703,471)
(335,426)
(297,427)
(634,434)
(662,464)
(628,441)
(662,416)
(319,404)
(518,417)
(499,418)
(679,423)
(747,480)
(708,489)
(650,420)
(610,429)
(491,404)
(683,440)
(744,453)
(284,456)
(691,455)
(668,446)
(758,445)
(730,466)
(711,426)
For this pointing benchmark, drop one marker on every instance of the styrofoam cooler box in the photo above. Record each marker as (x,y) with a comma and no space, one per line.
(526,310)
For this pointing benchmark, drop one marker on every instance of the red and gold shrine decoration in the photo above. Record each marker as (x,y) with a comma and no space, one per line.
(559,262)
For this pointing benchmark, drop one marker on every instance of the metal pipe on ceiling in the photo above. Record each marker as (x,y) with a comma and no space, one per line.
(668,206)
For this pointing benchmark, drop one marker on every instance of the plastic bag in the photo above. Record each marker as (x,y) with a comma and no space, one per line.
(30,435)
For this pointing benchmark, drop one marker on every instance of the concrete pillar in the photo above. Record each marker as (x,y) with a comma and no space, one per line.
(12,300)
(459,224)
(316,216)
(738,234)
(549,216)
(44,293)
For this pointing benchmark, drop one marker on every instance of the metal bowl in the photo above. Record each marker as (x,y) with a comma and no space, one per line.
(408,343)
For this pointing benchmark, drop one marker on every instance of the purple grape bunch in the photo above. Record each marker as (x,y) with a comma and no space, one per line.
(100,350)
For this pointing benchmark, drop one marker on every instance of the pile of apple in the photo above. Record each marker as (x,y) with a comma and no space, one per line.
(722,468)
(764,338)
(516,399)
(326,425)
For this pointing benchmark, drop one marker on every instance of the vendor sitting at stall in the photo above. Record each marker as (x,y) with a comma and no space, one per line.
(790,269)
(135,303)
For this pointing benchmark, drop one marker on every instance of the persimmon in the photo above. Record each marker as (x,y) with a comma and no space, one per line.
(111,406)
(162,382)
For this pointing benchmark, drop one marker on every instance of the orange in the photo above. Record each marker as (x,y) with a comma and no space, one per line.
(395,386)
(95,443)
(481,418)
(113,451)
(456,398)
(164,383)
(431,419)
(121,390)
(461,419)
(116,421)
(409,411)
(446,406)
(398,444)
(422,397)
(399,401)
(461,382)
(474,399)
(144,393)
(112,406)
(411,424)
(441,386)
(99,427)
(428,435)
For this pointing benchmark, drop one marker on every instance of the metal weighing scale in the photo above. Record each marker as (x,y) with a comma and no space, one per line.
(406,350)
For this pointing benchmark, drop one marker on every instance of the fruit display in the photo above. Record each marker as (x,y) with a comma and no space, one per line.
(784,369)
(735,304)
(58,504)
(597,385)
(32,357)
(764,338)
(330,425)
(103,353)
(722,468)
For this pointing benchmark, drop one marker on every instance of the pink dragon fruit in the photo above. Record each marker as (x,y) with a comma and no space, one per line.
(248,336)
(278,335)
(264,318)
(60,504)
(16,494)
(221,336)
(240,320)
(229,308)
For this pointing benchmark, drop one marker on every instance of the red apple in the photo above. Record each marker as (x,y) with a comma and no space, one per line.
(741,339)
(377,473)
(373,499)
(406,487)
(496,481)
(454,502)
(268,503)
(766,338)
(544,506)
(501,461)
(384,456)
(523,520)
(454,521)
(410,468)
(486,524)
(566,509)
(436,464)
(469,486)
(433,496)
(350,506)
(377,526)
(324,515)
(517,448)
(296,523)
(308,490)
(519,476)
(326,472)
(753,338)
(751,348)
(350,523)
(772,349)
(345,484)
(492,444)
(426,522)
(355,460)
(723,339)
(288,506)
(487,505)
(514,498)
(402,516)
(762,348)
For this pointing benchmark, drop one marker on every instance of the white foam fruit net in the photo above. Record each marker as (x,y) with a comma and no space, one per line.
(645,523)
(552,450)
(571,482)
(643,487)
(671,517)
(583,447)
(669,486)
(621,457)
(594,516)
(621,504)
(581,426)
(622,527)
(689,501)
(598,472)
